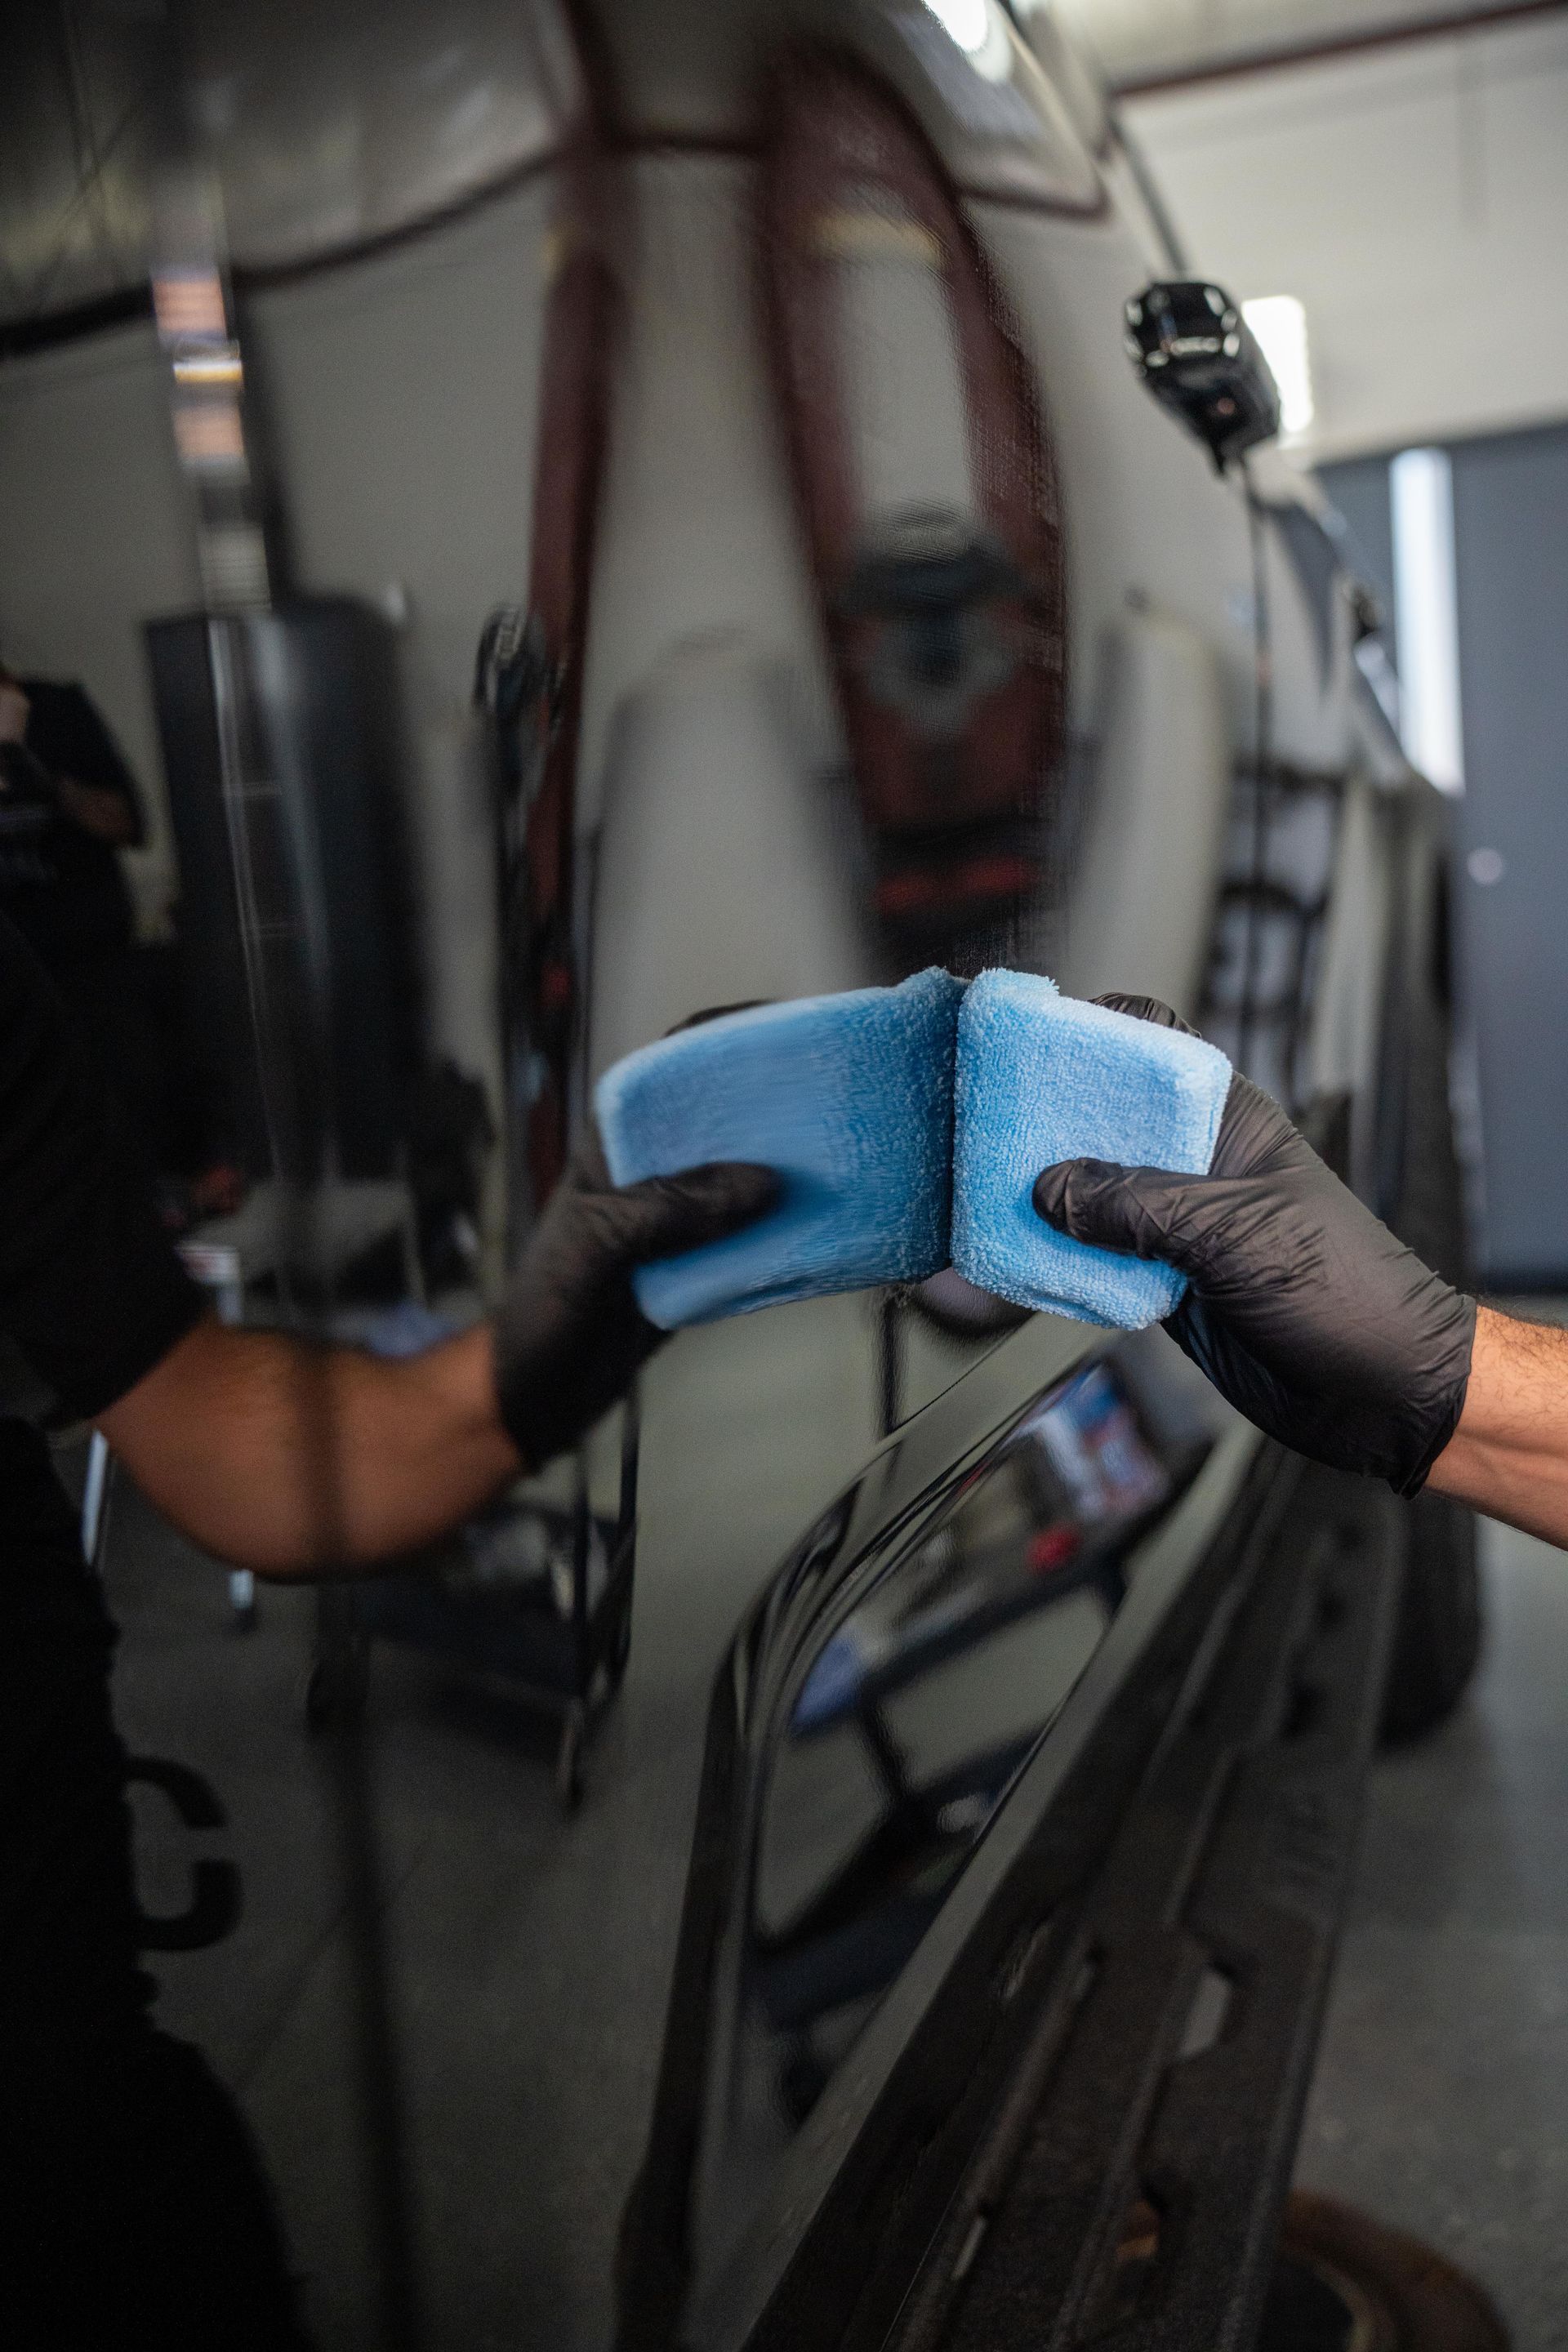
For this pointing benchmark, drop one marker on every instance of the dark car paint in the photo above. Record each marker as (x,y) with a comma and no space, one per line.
(844,2227)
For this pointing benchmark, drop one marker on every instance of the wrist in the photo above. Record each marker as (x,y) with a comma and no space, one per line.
(1490,1418)
(1509,1456)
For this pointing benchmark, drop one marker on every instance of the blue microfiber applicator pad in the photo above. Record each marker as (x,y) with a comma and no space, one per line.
(849,1098)
(1043,1077)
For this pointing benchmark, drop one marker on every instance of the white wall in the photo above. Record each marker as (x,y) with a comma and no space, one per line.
(1414,199)
(402,393)
(1143,41)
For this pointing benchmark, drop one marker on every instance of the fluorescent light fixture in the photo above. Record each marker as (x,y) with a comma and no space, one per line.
(1280,323)
(967,22)
(210,368)
(980,29)
(1426,614)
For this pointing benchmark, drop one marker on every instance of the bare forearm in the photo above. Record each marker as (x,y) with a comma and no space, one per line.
(1509,1456)
(297,1461)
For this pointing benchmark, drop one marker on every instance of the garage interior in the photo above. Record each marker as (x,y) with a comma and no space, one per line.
(1399,175)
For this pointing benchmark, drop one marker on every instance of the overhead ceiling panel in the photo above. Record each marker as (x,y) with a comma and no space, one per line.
(330,126)
(75,112)
(1142,41)
(336,123)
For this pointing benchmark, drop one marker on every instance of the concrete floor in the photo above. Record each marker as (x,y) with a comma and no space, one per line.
(532,1954)
(1441,2097)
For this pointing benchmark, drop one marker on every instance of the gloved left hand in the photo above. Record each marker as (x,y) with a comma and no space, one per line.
(569,1335)
(1305,1312)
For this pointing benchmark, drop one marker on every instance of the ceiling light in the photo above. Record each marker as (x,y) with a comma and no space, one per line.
(1427,616)
(967,22)
(1280,323)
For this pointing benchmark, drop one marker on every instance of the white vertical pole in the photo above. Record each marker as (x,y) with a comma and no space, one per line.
(1427,616)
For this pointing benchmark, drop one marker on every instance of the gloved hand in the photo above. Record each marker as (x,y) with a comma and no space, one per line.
(1304,1311)
(569,1336)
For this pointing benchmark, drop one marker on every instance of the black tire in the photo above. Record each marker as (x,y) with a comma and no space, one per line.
(1437,1640)
(1343,2279)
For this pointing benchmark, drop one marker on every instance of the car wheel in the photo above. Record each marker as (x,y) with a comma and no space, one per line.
(1342,2282)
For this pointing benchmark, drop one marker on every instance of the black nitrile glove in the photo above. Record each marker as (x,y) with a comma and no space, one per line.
(569,1336)
(1304,1311)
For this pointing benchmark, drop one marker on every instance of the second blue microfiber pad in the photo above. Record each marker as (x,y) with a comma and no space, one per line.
(848,1097)
(1043,1077)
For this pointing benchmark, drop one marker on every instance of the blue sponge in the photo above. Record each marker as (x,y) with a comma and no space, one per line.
(1043,1077)
(849,1098)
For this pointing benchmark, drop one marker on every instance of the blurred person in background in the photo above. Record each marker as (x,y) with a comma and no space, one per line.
(68,805)
(133,2208)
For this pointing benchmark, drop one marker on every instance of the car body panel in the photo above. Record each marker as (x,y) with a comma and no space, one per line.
(1219,749)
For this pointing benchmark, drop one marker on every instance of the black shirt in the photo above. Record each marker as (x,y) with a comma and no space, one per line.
(62,886)
(92,1296)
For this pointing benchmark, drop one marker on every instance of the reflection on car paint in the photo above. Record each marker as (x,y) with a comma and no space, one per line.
(902,1735)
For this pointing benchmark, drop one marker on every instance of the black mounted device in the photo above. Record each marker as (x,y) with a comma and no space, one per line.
(1198,356)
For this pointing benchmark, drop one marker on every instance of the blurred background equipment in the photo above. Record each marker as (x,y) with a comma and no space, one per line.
(261,712)
(304,704)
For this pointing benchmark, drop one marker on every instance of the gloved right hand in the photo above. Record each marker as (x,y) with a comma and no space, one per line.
(1304,1311)
(569,1336)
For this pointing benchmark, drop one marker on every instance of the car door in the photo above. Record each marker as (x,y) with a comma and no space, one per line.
(1027,1813)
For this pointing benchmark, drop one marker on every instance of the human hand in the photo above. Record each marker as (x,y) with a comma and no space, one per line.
(569,1336)
(1305,1312)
